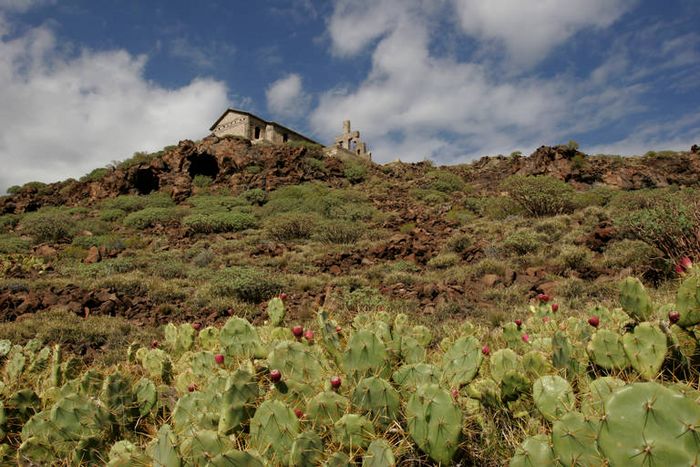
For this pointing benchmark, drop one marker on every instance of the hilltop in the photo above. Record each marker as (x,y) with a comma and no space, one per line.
(488,279)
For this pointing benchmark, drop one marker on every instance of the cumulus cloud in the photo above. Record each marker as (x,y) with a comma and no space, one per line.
(63,115)
(417,103)
(529,30)
(286,97)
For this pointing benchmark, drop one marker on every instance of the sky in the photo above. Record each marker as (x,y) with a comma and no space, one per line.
(84,83)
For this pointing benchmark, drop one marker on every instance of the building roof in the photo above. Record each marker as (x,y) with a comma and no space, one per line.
(243,112)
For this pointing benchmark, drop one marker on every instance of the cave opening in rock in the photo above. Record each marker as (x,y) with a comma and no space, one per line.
(203,164)
(146,181)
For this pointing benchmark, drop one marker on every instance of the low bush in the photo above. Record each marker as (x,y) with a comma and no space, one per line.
(429,196)
(8,222)
(523,241)
(96,175)
(459,242)
(574,257)
(219,222)
(340,232)
(11,244)
(291,226)
(208,204)
(111,215)
(246,284)
(150,217)
(355,172)
(642,258)
(49,225)
(540,195)
(255,196)
(444,261)
(444,181)
(202,181)
(132,203)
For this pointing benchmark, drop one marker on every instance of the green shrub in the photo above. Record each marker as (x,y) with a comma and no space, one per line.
(219,222)
(10,244)
(494,207)
(540,195)
(202,181)
(96,175)
(444,261)
(637,255)
(523,241)
(291,226)
(48,225)
(138,158)
(14,189)
(149,217)
(203,258)
(131,203)
(255,196)
(340,232)
(575,257)
(8,222)
(429,196)
(110,242)
(319,199)
(355,172)
(253,169)
(245,284)
(444,181)
(168,267)
(316,164)
(208,204)
(111,215)
(671,224)
(40,188)
(459,242)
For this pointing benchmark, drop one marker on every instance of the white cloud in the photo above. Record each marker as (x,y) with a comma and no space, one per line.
(416,102)
(20,6)
(529,30)
(65,115)
(286,97)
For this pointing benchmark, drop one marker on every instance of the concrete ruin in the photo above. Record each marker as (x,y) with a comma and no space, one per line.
(349,144)
(241,123)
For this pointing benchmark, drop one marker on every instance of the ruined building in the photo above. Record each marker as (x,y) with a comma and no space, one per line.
(244,124)
(349,143)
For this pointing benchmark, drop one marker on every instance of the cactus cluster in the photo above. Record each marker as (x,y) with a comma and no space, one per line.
(375,393)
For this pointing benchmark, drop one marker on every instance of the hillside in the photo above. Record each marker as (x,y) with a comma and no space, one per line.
(205,231)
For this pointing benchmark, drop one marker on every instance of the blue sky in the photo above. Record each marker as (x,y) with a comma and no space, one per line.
(83,83)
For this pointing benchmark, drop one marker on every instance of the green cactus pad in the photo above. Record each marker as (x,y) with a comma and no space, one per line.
(635,299)
(204,445)
(379,454)
(574,440)
(273,430)
(239,338)
(209,338)
(180,338)
(326,408)
(35,451)
(513,384)
(158,365)
(307,450)
(434,422)
(162,450)
(606,350)
(196,411)
(338,459)
(237,401)
(534,452)
(647,424)
(535,364)
(275,311)
(593,400)
(411,350)
(353,431)
(408,377)
(462,361)
(688,301)
(553,396)
(563,354)
(296,361)
(366,355)
(501,362)
(378,400)
(646,349)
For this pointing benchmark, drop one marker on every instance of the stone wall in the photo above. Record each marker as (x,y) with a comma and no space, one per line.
(254,129)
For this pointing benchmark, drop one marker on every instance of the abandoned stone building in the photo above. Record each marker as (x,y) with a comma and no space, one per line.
(349,144)
(241,123)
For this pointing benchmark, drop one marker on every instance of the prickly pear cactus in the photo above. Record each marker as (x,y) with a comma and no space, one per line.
(158,365)
(15,365)
(434,422)
(513,384)
(296,361)
(503,361)
(574,440)
(379,454)
(646,349)
(534,452)
(124,454)
(535,364)
(353,431)
(307,450)
(606,350)
(647,424)
(209,338)
(119,399)
(688,301)
(273,429)
(180,338)
(338,459)
(462,361)
(326,408)
(237,401)
(146,396)
(593,400)
(240,339)
(275,311)
(365,355)
(563,355)
(553,396)
(635,299)
(512,335)
(196,411)
(411,350)
(203,446)
(408,377)
(162,450)
(378,399)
